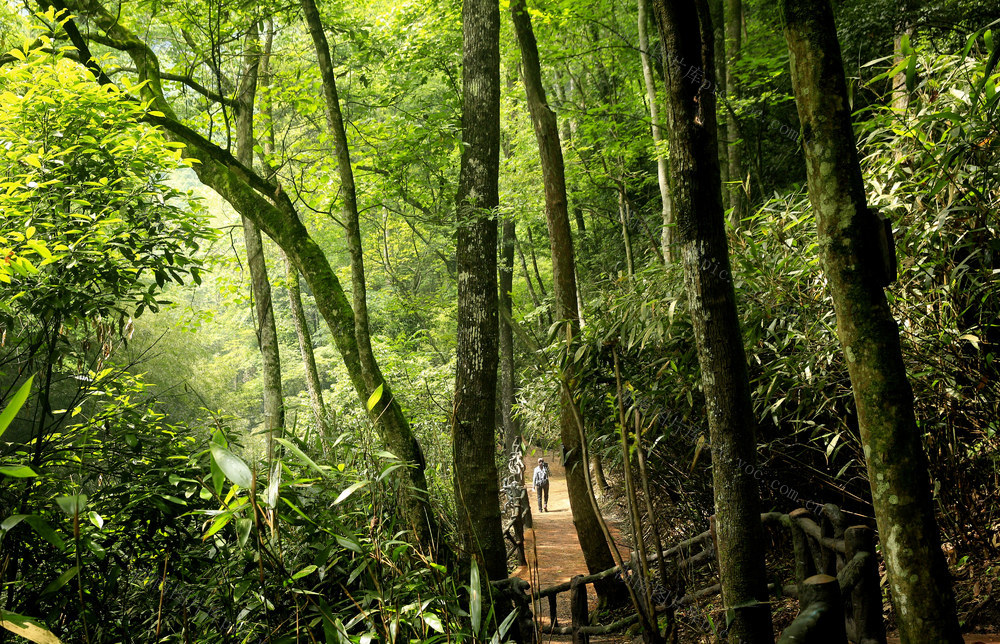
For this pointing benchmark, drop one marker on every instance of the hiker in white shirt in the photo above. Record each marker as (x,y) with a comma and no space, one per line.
(540,481)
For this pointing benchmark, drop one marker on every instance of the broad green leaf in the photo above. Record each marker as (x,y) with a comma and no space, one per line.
(61,580)
(17,471)
(96,519)
(73,504)
(308,570)
(375,397)
(15,404)
(232,466)
(27,628)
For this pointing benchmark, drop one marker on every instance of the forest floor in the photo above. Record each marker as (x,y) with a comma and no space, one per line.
(552,547)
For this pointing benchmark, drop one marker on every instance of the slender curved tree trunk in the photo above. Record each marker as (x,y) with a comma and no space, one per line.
(421,517)
(662,176)
(308,356)
(596,551)
(477,489)
(852,259)
(267,335)
(686,32)
(265,203)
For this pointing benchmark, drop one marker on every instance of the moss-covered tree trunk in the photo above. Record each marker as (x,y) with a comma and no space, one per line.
(477,488)
(848,242)
(686,32)
(267,335)
(596,551)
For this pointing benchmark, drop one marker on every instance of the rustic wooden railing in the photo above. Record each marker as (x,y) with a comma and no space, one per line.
(835,579)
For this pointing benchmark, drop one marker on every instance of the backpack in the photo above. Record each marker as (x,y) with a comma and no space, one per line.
(544,478)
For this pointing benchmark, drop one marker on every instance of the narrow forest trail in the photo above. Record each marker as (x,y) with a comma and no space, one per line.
(553,547)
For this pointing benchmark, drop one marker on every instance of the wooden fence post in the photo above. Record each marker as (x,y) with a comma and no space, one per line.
(866,596)
(804,564)
(578,609)
(822,619)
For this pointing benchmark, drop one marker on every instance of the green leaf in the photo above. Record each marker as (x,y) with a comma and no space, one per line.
(375,397)
(73,505)
(44,530)
(308,570)
(61,580)
(17,471)
(15,404)
(232,466)
(291,447)
(475,598)
(219,523)
(27,627)
(96,519)
(349,491)
(433,621)
(243,530)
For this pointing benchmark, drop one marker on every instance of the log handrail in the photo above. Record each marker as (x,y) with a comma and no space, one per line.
(818,547)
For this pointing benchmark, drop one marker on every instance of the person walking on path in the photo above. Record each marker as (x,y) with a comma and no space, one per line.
(540,481)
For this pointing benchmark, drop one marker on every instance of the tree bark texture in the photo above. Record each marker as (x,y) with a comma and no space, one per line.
(596,551)
(686,32)
(267,335)
(271,210)
(477,486)
(897,466)
(738,200)
(662,176)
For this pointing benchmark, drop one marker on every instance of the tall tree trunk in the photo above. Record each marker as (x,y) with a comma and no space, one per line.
(265,203)
(418,508)
(267,335)
(308,357)
(513,444)
(686,32)
(596,551)
(662,178)
(847,231)
(477,487)
(738,200)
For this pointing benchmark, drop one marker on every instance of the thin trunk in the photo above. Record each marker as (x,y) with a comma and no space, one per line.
(718,10)
(623,216)
(662,176)
(686,32)
(900,95)
(534,262)
(477,487)
(847,231)
(513,443)
(418,508)
(527,275)
(738,200)
(267,335)
(596,550)
(597,467)
(308,357)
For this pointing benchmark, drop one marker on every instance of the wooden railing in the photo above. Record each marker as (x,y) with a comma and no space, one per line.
(835,579)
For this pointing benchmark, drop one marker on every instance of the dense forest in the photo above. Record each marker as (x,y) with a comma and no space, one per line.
(310,311)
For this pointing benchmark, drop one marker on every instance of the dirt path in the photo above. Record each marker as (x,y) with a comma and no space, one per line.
(553,547)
